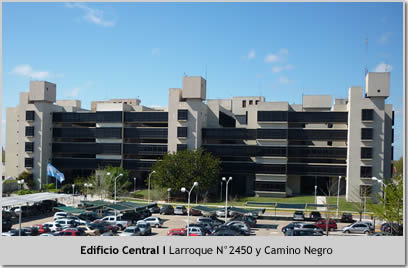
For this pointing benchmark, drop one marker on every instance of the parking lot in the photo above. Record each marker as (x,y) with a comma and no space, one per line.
(264,227)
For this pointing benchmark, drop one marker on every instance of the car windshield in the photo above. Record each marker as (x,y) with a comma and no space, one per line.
(142,225)
(131,230)
(298,213)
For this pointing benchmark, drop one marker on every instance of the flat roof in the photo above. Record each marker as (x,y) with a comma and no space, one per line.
(30,198)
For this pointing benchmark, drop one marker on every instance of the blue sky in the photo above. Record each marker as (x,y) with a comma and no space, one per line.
(97,51)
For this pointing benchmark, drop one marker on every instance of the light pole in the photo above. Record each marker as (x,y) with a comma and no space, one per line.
(134,185)
(315,194)
(168,195)
(117,177)
(382,183)
(73,187)
(20,183)
(226,195)
(87,186)
(338,194)
(188,207)
(221,191)
(19,221)
(148,190)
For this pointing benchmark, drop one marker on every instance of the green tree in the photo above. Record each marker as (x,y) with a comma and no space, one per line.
(390,205)
(182,169)
(122,183)
(28,179)
(399,166)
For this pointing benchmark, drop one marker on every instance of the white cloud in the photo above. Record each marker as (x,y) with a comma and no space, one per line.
(156,51)
(270,58)
(383,67)
(384,38)
(73,93)
(93,15)
(251,54)
(27,71)
(277,69)
(285,80)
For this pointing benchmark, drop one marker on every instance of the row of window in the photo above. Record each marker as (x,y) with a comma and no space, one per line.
(270,186)
(304,117)
(112,116)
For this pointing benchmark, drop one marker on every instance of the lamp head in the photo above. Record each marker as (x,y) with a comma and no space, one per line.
(120,175)
(195,183)
(168,189)
(224,179)
(183,189)
(154,171)
(230,178)
(108,173)
(90,185)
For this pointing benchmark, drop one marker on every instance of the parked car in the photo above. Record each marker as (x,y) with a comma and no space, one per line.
(361,228)
(6,225)
(59,215)
(308,226)
(88,231)
(155,209)
(177,232)
(234,228)
(146,213)
(167,210)
(299,232)
(41,229)
(116,220)
(71,232)
(15,232)
(323,225)
(240,224)
(144,227)
(392,228)
(109,234)
(78,220)
(195,212)
(54,227)
(221,212)
(154,221)
(347,217)
(180,210)
(132,216)
(196,231)
(212,221)
(290,226)
(315,216)
(131,231)
(298,216)
(88,216)
(66,223)
(369,223)
(250,220)
(226,232)
(100,226)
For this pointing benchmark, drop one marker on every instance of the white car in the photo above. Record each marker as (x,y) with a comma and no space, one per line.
(58,215)
(54,227)
(77,219)
(195,230)
(65,223)
(154,221)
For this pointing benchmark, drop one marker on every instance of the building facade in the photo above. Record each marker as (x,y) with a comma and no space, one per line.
(269,148)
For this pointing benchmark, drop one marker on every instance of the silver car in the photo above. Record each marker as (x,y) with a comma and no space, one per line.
(361,228)
(144,227)
(153,221)
(180,210)
(131,231)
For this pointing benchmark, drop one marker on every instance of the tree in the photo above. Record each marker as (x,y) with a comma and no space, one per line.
(28,179)
(122,183)
(182,169)
(390,205)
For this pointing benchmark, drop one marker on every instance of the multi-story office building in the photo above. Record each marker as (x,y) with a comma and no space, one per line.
(269,148)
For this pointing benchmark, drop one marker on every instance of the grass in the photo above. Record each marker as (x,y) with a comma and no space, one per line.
(241,201)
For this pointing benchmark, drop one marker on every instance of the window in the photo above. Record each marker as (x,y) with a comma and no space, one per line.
(329,143)
(250,102)
(270,186)
(30,115)
(366,153)
(28,162)
(29,146)
(182,115)
(366,133)
(181,132)
(366,172)
(256,102)
(393,115)
(29,131)
(367,114)
(243,103)
(330,125)
(272,116)
(181,147)
(365,190)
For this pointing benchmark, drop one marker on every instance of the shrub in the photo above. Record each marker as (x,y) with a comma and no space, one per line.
(9,181)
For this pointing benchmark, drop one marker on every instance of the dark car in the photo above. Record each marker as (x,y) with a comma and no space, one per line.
(298,216)
(249,220)
(6,225)
(167,210)
(132,216)
(154,209)
(102,228)
(24,232)
(392,228)
(226,232)
(347,217)
(315,216)
(290,226)
(298,232)
(195,212)
(332,225)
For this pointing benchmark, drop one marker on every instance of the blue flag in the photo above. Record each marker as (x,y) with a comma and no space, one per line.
(53,172)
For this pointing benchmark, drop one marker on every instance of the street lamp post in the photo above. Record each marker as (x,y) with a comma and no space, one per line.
(87,185)
(148,190)
(120,175)
(168,195)
(315,194)
(338,195)
(73,187)
(19,221)
(226,196)
(221,191)
(20,183)
(188,207)
(134,185)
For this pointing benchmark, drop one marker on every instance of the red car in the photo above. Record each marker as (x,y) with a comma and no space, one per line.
(70,233)
(195,212)
(322,224)
(177,232)
(107,225)
(41,229)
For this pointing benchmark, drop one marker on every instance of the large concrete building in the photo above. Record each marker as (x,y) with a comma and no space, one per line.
(269,148)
